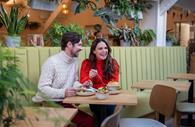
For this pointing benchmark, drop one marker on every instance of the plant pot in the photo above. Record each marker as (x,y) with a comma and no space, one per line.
(169,43)
(74,5)
(13,41)
(139,14)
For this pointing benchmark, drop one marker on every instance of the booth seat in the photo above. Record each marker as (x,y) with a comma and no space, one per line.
(135,64)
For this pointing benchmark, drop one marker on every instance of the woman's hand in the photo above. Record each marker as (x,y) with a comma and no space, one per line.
(93,73)
(88,83)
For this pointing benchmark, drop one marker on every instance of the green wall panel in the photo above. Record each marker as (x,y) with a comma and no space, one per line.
(21,54)
(33,64)
(135,63)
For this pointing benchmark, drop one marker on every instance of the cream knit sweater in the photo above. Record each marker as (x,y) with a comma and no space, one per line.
(58,73)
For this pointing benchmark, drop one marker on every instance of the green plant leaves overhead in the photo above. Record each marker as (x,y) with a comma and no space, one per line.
(134,35)
(13,24)
(4,17)
(82,5)
(55,33)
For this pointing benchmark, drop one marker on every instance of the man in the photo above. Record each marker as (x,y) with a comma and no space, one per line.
(59,76)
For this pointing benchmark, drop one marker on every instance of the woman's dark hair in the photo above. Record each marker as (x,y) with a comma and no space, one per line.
(73,37)
(108,66)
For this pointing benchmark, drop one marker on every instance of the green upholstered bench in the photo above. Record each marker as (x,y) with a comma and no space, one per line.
(135,64)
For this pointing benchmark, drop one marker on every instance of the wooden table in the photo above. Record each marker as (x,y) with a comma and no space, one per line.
(124,98)
(185,76)
(44,117)
(149,84)
(190,78)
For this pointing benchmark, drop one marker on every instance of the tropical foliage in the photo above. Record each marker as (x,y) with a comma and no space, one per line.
(115,10)
(83,5)
(15,89)
(171,40)
(12,22)
(135,36)
(55,33)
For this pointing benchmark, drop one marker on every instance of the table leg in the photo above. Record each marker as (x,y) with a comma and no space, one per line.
(190,98)
(188,121)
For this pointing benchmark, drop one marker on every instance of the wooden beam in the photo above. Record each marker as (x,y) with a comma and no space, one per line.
(53,15)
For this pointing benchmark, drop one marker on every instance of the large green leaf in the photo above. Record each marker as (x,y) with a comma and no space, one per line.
(12,23)
(14,88)
(4,17)
(21,24)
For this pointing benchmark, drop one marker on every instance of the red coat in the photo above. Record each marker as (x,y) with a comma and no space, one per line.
(98,81)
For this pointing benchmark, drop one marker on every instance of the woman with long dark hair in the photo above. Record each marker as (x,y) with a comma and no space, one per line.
(100,68)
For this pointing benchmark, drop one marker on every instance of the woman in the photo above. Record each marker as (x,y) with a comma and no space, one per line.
(100,69)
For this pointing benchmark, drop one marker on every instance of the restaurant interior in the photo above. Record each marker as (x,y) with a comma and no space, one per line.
(153,42)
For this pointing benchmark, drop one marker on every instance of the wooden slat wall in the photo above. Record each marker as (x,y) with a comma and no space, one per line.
(135,63)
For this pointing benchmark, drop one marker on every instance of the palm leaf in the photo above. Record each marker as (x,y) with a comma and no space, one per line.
(4,17)
(13,25)
(21,24)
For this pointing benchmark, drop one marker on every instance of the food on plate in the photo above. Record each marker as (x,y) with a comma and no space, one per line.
(114,92)
(102,93)
(103,90)
(85,92)
(113,85)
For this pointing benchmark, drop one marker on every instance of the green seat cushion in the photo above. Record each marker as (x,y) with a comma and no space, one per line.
(143,107)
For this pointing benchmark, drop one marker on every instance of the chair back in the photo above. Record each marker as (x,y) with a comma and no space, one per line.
(113,120)
(163,100)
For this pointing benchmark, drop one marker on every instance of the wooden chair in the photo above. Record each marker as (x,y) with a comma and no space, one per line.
(162,101)
(112,120)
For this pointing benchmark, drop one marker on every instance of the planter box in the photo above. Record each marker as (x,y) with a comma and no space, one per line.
(44,4)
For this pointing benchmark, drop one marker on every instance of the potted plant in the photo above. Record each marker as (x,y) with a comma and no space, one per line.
(14,89)
(13,24)
(132,36)
(81,5)
(55,33)
(171,40)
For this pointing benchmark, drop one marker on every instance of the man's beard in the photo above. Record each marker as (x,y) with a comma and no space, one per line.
(75,54)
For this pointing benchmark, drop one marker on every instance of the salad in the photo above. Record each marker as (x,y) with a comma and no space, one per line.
(103,90)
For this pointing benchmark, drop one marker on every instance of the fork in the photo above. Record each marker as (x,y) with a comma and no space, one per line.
(101,79)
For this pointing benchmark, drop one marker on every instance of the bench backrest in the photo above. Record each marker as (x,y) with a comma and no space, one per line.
(136,63)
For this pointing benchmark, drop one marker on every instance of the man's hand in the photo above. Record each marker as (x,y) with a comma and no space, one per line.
(87,83)
(70,92)
(93,73)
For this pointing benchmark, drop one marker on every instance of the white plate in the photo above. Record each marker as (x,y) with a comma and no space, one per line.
(114,92)
(85,93)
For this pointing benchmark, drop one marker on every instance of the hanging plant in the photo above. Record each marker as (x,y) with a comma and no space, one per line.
(134,35)
(114,10)
(82,5)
